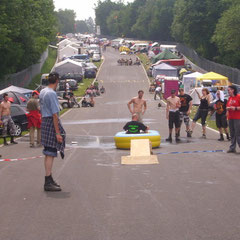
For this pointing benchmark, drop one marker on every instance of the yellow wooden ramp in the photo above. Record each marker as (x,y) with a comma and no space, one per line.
(140,153)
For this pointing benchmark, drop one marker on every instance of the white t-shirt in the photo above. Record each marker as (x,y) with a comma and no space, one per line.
(158,89)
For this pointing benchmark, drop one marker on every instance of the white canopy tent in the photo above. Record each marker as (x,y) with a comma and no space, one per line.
(25,91)
(164,69)
(189,81)
(68,51)
(63,43)
(68,66)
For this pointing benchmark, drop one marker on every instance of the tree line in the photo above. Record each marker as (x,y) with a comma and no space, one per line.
(26,29)
(210,27)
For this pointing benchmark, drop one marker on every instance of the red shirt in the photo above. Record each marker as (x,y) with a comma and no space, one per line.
(234,102)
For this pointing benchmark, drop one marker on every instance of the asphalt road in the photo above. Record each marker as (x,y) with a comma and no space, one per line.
(187,196)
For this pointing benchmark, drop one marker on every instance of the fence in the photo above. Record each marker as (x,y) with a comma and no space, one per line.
(233,74)
(23,78)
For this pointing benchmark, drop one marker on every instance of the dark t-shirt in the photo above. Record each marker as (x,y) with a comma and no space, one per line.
(134,127)
(221,107)
(185,100)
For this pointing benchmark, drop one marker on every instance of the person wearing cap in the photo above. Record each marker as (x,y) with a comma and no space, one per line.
(173,115)
(185,109)
(34,118)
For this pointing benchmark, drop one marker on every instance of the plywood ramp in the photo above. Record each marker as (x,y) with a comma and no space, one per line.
(140,153)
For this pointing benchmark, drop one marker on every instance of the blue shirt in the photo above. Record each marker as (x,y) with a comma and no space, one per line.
(48,102)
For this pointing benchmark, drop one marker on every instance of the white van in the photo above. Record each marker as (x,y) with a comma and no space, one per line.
(172,48)
(139,46)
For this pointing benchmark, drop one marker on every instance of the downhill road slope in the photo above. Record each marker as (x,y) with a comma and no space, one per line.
(187,196)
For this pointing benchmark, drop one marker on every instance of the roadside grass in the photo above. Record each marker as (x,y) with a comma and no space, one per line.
(8,138)
(82,87)
(210,122)
(47,67)
(146,63)
(98,64)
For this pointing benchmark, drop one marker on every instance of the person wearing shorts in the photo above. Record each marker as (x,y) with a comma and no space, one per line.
(185,109)
(173,115)
(202,111)
(221,118)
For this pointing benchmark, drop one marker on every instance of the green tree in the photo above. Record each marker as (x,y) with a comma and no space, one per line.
(26,27)
(90,25)
(194,24)
(103,10)
(227,36)
(66,21)
(154,20)
(81,26)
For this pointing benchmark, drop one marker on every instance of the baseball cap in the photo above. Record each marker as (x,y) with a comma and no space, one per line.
(35,92)
(173,91)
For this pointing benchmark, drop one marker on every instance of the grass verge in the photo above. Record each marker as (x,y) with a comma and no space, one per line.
(47,67)
(146,63)
(210,122)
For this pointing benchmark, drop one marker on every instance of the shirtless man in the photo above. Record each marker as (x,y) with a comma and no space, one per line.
(6,120)
(173,115)
(139,105)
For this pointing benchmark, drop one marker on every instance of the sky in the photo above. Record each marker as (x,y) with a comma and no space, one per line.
(83,8)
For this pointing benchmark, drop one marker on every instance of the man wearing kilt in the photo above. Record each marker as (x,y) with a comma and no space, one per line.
(52,132)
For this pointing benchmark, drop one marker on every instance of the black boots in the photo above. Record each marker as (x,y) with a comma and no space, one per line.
(169,139)
(12,141)
(221,137)
(50,185)
(5,141)
(228,137)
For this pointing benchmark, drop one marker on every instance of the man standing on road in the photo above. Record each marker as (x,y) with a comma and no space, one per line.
(173,116)
(6,120)
(185,110)
(52,132)
(139,105)
(34,118)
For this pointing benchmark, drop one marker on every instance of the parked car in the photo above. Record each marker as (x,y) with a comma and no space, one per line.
(89,73)
(76,76)
(19,117)
(80,58)
(16,98)
(73,85)
(96,57)
(89,66)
